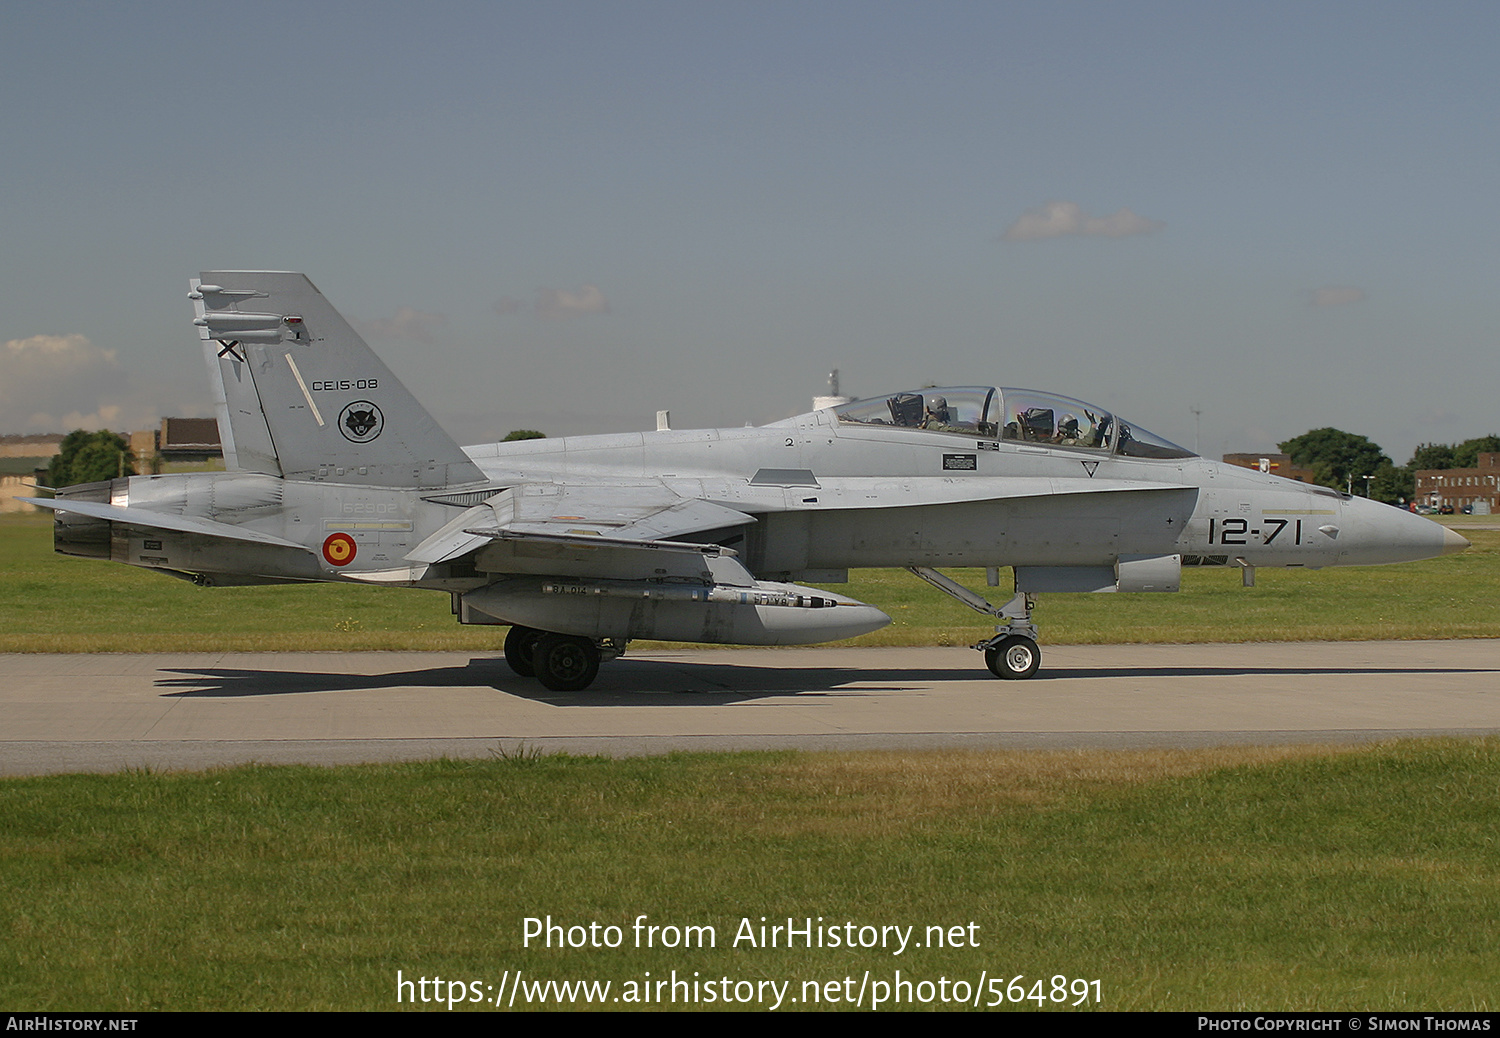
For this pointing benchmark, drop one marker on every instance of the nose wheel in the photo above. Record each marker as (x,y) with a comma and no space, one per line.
(1014,656)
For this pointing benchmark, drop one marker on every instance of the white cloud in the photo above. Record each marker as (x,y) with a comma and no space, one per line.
(52,353)
(408,323)
(556,302)
(52,383)
(1337,295)
(1059,219)
(1439,416)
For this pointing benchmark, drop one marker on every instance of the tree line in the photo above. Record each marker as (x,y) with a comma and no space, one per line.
(1342,460)
(88,457)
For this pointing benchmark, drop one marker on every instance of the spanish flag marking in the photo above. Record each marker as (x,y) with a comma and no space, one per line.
(339,549)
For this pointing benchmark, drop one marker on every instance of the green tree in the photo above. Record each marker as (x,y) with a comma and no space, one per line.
(1431,456)
(1466,454)
(1392,485)
(1336,458)
(87,457)
(524,434)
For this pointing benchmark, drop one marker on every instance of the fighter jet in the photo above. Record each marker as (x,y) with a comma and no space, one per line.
(580,544)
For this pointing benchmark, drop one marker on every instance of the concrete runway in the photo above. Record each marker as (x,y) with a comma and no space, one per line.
(197,710)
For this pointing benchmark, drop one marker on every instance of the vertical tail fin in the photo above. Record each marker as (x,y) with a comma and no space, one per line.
(299,393)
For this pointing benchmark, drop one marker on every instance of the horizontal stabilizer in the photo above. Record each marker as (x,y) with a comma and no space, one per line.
(145,519)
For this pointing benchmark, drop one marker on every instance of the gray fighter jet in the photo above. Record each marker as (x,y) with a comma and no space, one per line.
(580,544)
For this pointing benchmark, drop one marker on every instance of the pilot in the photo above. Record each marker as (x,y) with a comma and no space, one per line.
(937,416)
(1099,433)
(1067,431)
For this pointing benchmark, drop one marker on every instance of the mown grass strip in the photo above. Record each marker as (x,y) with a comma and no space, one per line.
(1290,878)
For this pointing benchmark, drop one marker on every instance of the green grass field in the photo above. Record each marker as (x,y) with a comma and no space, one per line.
(51,603)
(1232,879)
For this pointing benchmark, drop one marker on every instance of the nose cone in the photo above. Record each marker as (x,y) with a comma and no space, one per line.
(1453,542)
(1375,533)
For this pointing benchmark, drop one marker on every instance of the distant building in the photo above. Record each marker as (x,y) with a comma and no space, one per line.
(1275,464)
(44,446)
(23,462)
(14,485)
(189,439)
(177,440)
(1477,489)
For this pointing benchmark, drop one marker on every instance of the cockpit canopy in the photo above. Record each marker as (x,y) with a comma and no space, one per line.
(1016,415)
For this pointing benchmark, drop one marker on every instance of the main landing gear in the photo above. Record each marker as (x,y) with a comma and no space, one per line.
(561,662)
(1013,652)
(520,643)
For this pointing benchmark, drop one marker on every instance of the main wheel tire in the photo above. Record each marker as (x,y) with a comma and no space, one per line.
(520,647)
(1015,657)
(566,662)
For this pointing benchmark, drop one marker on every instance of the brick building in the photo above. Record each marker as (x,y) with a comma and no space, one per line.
(1477,489)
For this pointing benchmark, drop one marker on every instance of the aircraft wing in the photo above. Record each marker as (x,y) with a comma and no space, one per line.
(623,531)
(642,511)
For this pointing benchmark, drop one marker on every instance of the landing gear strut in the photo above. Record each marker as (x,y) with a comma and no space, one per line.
(1013,652)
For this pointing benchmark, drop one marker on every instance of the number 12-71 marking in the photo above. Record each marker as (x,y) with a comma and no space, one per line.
(1233,531)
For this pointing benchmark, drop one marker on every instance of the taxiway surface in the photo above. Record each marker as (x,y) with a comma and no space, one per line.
(62,713)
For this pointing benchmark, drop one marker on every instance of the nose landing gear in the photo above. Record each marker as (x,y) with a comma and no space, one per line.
(1013,652)
(1012,655)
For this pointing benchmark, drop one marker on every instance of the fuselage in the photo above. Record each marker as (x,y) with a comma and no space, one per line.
(832,495)
(826,495)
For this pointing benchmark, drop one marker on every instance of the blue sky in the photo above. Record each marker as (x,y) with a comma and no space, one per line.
(569,215)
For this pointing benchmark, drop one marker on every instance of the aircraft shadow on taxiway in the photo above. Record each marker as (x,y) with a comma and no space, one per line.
(647,682)
(638,682)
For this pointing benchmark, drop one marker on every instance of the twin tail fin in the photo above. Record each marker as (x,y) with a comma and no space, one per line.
(301,395)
